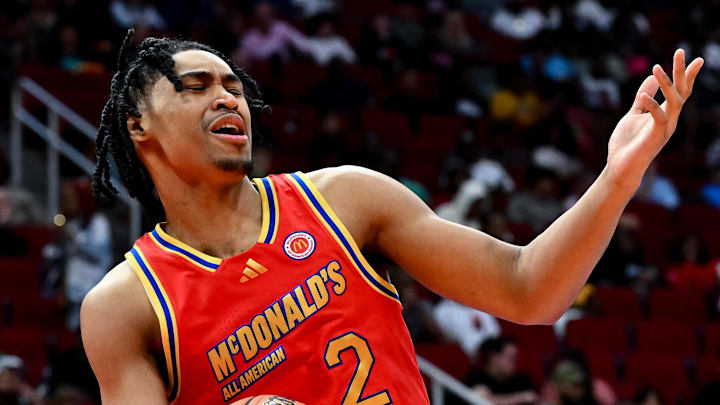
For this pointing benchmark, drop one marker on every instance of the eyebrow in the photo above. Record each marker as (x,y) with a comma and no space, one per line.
(207,76)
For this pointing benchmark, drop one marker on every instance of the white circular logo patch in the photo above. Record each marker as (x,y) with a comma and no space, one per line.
(299,245)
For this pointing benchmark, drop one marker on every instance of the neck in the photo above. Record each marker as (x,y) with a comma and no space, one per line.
(219,220)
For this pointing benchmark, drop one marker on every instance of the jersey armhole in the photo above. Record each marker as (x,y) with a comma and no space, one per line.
(165,315)
(330,220)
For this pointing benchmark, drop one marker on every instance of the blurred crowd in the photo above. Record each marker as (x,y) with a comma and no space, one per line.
(496,113)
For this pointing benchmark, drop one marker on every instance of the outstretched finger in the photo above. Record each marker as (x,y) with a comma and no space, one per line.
(650,86)
(679,71)
(652,106)
(692,71)
(674,101)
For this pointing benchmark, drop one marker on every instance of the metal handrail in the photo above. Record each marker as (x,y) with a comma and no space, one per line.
(441,381)
(57,146)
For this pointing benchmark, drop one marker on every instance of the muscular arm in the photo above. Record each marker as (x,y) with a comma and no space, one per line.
(530,284)
(117,332)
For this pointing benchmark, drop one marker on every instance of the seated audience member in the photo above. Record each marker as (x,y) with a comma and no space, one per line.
(460,208)
(325,44)
(82,249)
(538,205)
(269,37)
(498,381)
(692,267)
(648,396)
(464,325)
(572,384)
(14,390)
(417,310)
(624,261)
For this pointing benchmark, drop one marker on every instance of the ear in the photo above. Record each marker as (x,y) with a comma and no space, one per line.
(135,129)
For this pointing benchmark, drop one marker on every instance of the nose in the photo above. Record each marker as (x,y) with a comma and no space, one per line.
(225,100)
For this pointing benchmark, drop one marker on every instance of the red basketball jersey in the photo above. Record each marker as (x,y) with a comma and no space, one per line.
(300,314)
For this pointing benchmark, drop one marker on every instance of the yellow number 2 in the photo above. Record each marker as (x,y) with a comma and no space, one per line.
(352,340)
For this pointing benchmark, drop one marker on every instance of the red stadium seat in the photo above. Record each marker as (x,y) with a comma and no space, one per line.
(535,338)
(618,302)
(708,369)
(289,162)
(668,373)
(607,336)
(665,336)
(680,305)
(27,342)
(36,237)
(602,365)
(531,363)
(373,76)
(449,357)
(439,133)
(18,274)
(298,78)
(34,309)
(393,128)
(712,340)
(291,128)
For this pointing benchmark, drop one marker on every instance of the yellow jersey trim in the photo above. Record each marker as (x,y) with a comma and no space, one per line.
(165,314)
(187,252)
(331,221)
(270,210)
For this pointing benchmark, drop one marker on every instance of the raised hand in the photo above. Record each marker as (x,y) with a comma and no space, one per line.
(646,128)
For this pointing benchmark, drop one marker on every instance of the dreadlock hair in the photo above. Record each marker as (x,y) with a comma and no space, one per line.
(138,69)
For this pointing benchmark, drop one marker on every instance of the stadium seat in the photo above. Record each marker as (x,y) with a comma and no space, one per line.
(373,76)
(393,128)
(535,338)
(441,132)
(668,373)
(603,365)
(708,369)
(685,306)
(532,364)
(665,336)
(36,237)
(27,342)
(618,302)
(18,274)
(712,341)
(34,309)
(608,336)
(449,357)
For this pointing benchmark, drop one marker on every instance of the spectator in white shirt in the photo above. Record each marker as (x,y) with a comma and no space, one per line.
(464,325)
(269,37)
(325,44)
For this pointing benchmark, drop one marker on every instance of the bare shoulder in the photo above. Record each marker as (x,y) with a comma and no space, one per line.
(121,337)
(341,179)
(365,200)
(117,302)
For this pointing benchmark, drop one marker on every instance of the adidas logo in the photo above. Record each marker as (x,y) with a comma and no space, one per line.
(252,270)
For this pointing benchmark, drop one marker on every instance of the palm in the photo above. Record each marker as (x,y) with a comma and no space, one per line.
(646,128)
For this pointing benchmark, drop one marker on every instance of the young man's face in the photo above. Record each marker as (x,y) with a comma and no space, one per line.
(202,132)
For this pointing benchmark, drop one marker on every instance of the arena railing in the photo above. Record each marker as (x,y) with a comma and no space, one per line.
(441,381)
(56,146)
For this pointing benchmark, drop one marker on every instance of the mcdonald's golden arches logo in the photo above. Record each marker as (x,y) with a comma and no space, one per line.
(299,245)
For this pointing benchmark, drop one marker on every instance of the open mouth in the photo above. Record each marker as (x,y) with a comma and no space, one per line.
(228,130)
(228,124)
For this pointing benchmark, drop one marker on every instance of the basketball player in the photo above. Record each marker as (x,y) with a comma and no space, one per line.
(257,286)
